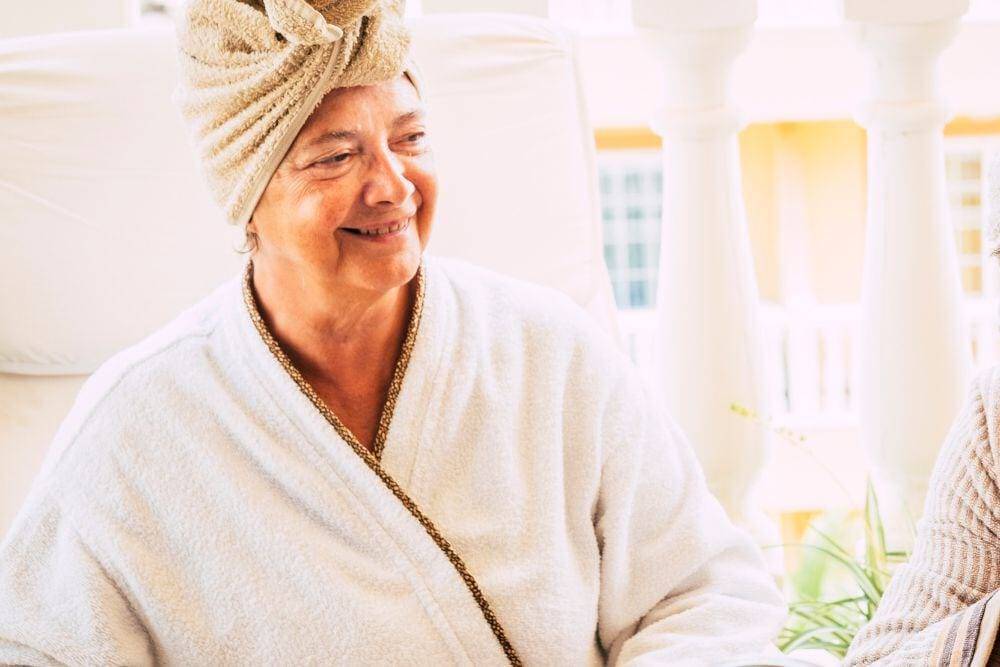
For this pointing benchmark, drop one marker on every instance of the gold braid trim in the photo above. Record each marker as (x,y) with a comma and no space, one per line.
(372,458)
(396,383)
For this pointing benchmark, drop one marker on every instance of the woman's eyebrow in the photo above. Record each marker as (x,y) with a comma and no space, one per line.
(416,114)
(339,135)
(334,135)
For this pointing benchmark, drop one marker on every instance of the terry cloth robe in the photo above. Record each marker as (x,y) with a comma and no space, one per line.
(197,507)
(942,607)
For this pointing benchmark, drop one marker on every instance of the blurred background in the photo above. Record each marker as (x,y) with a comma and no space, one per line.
(849,144)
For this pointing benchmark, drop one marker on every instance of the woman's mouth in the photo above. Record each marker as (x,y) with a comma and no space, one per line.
(385,231)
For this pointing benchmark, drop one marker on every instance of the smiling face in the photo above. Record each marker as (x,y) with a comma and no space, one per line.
(352,202)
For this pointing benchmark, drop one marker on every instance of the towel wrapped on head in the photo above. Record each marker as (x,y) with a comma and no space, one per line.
(252,71)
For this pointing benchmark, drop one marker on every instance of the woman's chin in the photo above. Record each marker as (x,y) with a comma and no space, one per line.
(379,263)
(386,273)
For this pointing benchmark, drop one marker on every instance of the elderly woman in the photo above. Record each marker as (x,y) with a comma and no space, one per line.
(354,454)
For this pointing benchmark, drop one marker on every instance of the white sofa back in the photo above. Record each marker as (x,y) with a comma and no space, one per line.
(108,230)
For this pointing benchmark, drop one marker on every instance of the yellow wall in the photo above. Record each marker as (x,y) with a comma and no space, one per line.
(828,159)
(831,155)
(826,164)
(759,165)
(963,126)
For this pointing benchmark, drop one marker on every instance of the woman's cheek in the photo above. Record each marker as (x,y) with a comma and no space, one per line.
(318,210)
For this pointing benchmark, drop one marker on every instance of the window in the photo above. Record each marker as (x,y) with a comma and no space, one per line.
(636,256)
(637,294)
(631,187)
(964,174)
(633,182)
(606,184)
(610,257)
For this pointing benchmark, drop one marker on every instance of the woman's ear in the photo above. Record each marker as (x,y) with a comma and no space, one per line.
(251,240)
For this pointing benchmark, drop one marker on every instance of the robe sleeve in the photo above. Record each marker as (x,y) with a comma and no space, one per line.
(937,600)
(58,604)
(680,585)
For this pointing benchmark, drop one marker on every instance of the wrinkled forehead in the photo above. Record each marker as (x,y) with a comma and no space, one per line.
(396,93)
(344,111)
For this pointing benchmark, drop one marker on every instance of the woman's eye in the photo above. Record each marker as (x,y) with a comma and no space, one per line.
(335,159)
(415,136)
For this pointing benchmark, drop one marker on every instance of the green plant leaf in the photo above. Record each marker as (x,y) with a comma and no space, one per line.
(847,610)
(860,576)
(843,630)
(876,555)
(813,639)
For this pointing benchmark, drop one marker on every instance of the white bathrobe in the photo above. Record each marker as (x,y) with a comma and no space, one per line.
(196,507)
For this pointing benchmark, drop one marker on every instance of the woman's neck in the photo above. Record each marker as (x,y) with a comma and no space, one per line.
(346,338)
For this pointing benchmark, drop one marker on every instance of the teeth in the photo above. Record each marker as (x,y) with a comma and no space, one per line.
(385,230)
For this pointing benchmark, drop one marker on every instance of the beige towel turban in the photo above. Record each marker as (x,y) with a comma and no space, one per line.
(251,72)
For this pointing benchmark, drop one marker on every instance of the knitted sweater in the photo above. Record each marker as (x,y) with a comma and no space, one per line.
(940,604)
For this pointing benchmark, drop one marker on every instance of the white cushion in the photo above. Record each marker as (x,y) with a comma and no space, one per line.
(515,152)
(108,231)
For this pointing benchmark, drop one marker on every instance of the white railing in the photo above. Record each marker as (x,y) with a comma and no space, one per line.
(812,363)
(811,356)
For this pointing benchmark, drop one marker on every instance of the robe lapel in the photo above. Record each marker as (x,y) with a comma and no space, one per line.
(449,592)
(408,430)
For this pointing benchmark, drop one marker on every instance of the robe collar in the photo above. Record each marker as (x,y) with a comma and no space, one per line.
(372,481)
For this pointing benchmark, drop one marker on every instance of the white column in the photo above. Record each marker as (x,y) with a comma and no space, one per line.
(914,358)
(530,7)
(708,345)
(795,277)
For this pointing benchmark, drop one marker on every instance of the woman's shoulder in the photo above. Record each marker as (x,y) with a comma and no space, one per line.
(130,387)
(484,289)
(983,411)
(986,385)
(473,280)
(516,306)
(181,337)
(970,448)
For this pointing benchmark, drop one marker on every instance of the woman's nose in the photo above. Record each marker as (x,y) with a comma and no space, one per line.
(387,182)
